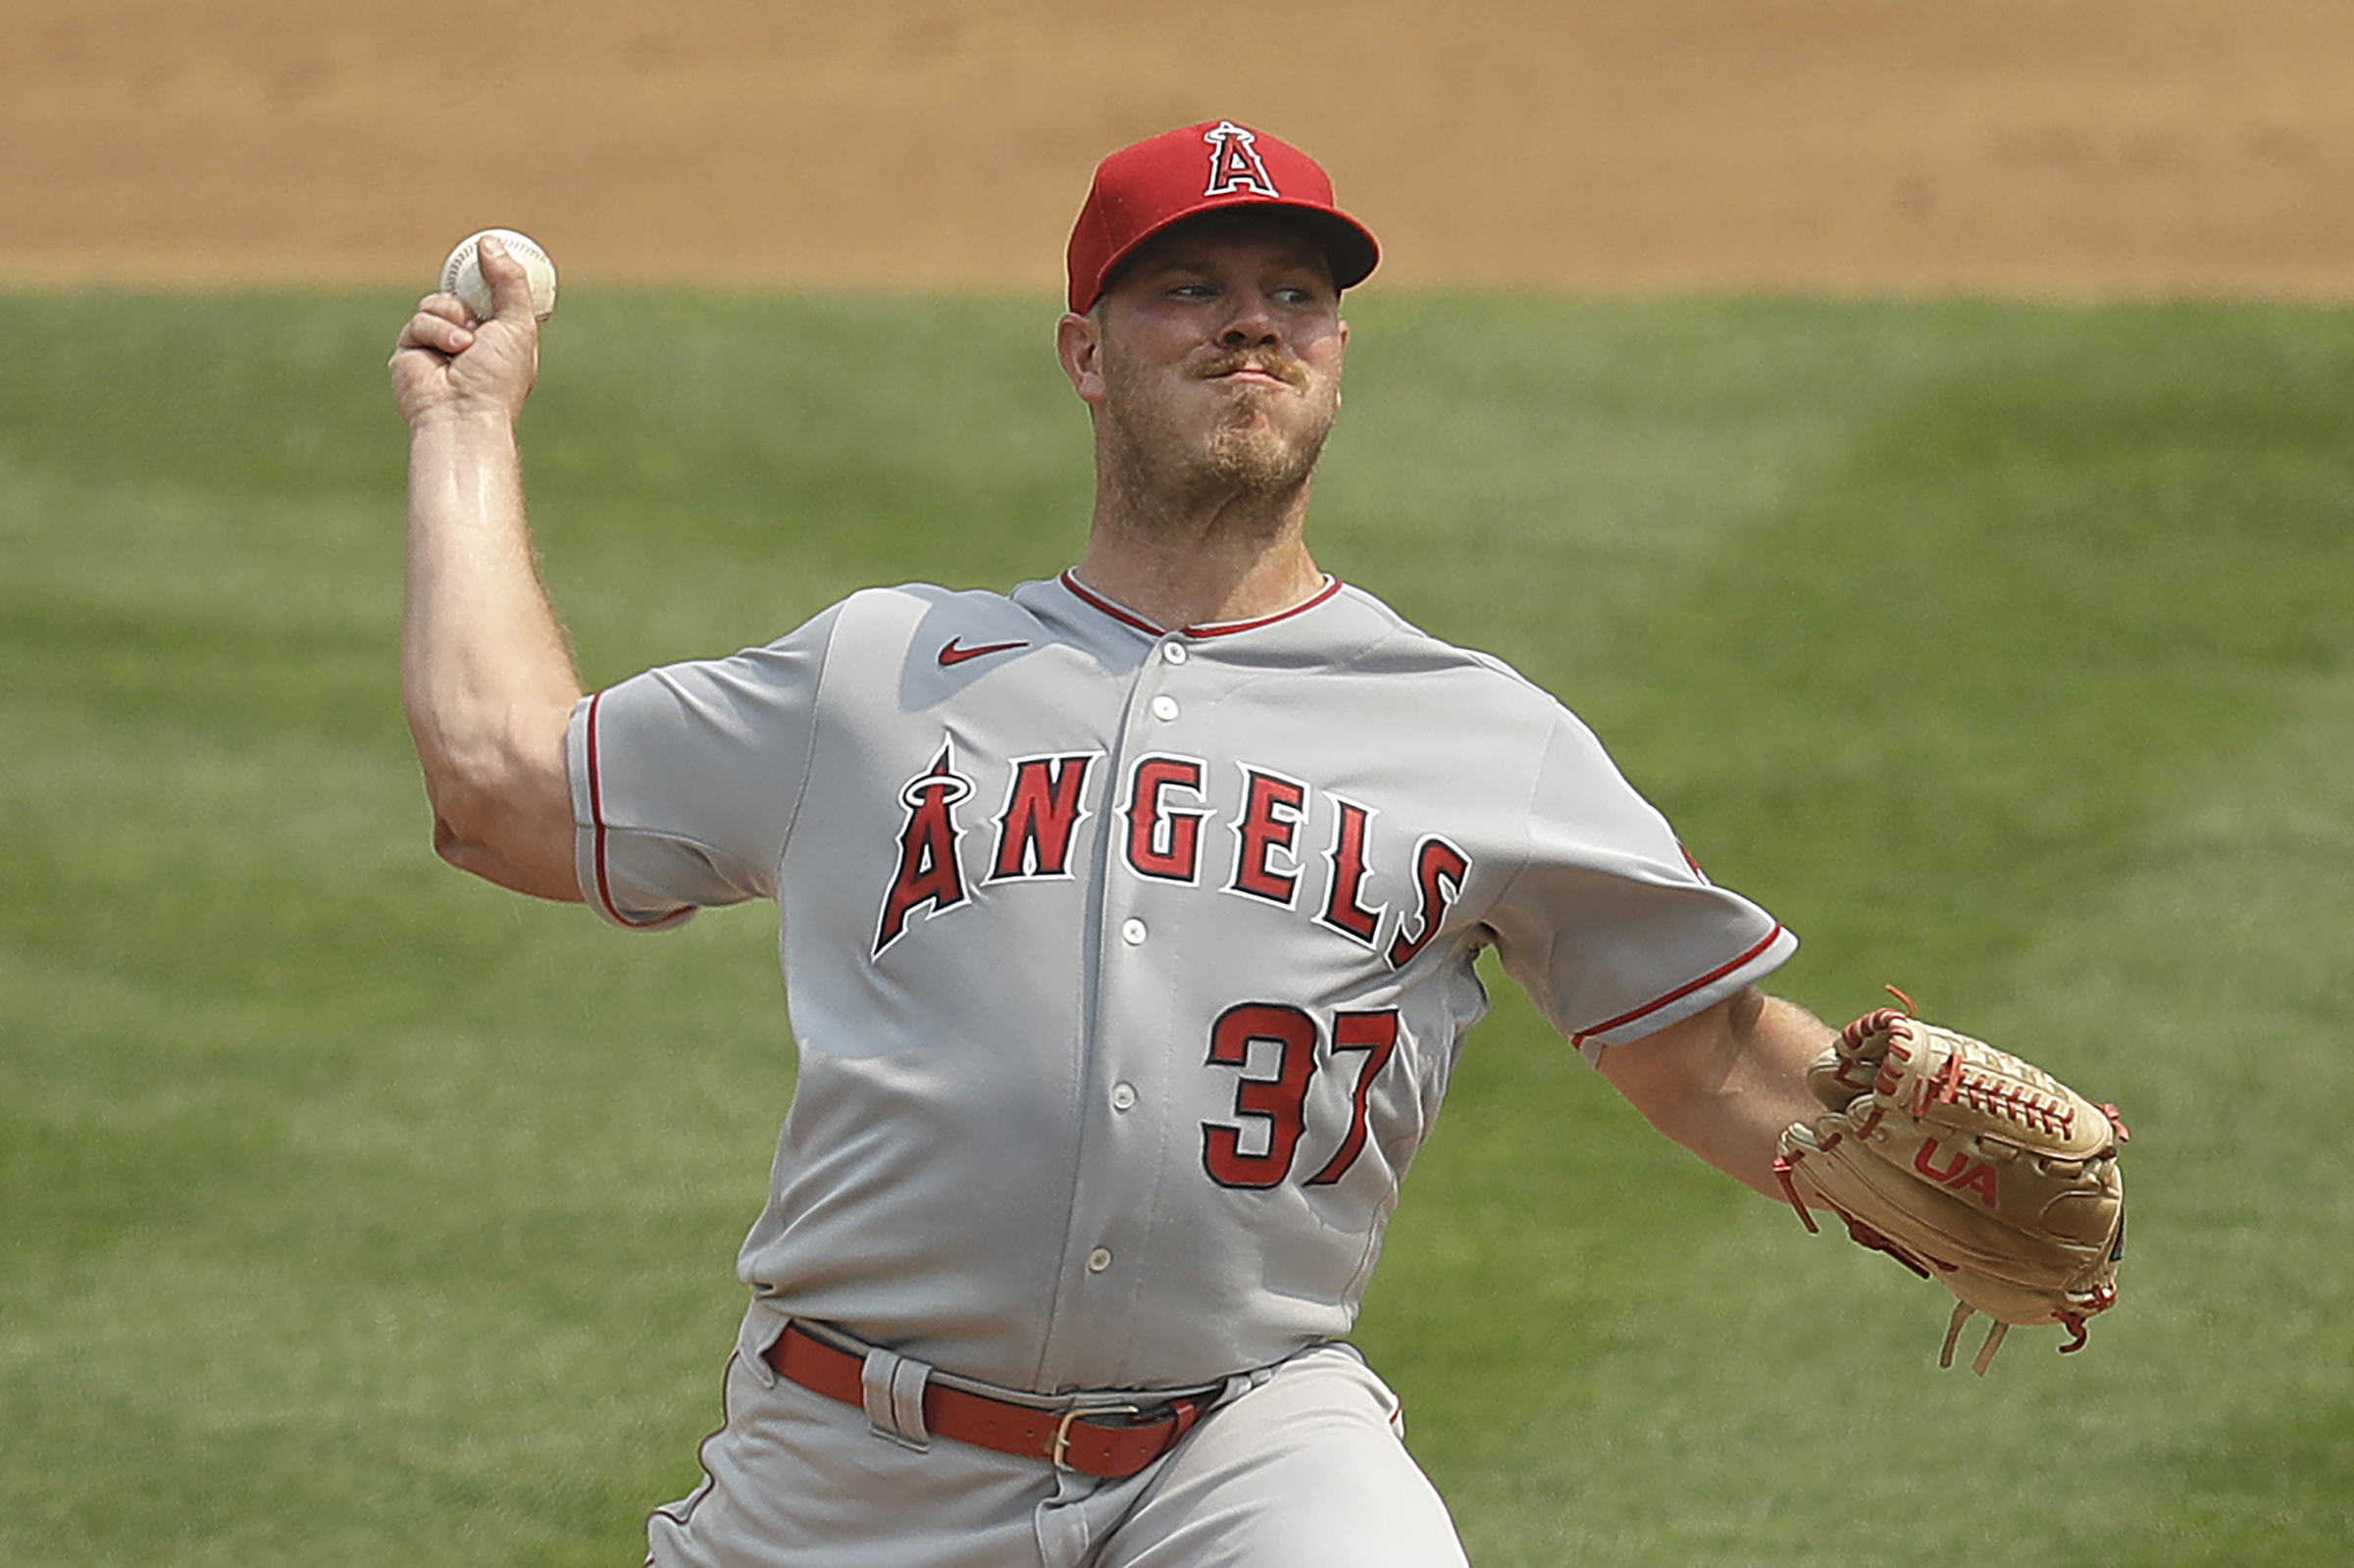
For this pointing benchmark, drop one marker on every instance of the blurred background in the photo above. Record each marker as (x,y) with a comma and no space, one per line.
(2064,146)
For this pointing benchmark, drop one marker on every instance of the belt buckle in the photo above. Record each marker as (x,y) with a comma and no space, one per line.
(1058,1455)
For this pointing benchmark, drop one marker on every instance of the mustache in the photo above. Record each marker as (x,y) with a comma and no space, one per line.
(1285,369)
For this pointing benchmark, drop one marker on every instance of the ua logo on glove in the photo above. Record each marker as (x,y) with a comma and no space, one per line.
(1964,1172)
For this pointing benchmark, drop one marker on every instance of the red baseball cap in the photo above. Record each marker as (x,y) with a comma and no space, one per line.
(1143,189)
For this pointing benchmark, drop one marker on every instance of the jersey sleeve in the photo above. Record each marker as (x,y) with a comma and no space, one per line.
(1610,926)
(685,779)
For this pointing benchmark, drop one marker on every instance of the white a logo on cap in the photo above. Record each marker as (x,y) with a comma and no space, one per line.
(1235,166)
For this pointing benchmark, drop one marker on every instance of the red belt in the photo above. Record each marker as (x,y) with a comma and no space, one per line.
(1074,1437)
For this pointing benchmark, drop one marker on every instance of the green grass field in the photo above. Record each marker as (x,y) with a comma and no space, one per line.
(355,1213)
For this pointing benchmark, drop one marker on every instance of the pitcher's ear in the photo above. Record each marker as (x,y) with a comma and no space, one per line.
(1079,345)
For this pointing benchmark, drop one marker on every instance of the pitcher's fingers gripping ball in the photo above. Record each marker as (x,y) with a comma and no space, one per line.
(1969,1167)
(462,274)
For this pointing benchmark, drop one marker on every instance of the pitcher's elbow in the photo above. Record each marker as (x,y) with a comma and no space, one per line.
(509,827)
(538,865)
(455,848)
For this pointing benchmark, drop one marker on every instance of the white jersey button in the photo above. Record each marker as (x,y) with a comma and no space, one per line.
(1174,652)
(1123,1097)
(1164,708)
(1098,1260)
(1132,931)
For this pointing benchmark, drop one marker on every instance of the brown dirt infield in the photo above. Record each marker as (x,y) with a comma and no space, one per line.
(2040,146)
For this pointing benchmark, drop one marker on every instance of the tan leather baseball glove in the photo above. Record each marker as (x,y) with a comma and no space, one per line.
(1969,1167)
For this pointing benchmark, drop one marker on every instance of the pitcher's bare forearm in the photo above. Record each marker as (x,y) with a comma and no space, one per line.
(486,679)
(1725,1082)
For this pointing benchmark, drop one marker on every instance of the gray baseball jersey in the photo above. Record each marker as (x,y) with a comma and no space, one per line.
(1126,969)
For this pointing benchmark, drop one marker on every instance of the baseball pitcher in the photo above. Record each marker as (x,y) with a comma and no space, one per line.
(1128,923)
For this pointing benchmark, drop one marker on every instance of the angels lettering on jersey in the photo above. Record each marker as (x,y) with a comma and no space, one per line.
(1242,829)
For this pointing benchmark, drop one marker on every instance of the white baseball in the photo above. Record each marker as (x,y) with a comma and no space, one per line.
(462,274)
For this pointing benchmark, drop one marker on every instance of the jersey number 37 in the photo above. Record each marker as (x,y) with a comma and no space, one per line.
(1276,1103)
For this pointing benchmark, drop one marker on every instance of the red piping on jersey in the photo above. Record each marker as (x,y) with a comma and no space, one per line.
(1681,991)
(596,817)
(1223,628)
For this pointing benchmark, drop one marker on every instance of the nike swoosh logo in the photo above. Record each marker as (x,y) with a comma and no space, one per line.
(953,650)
